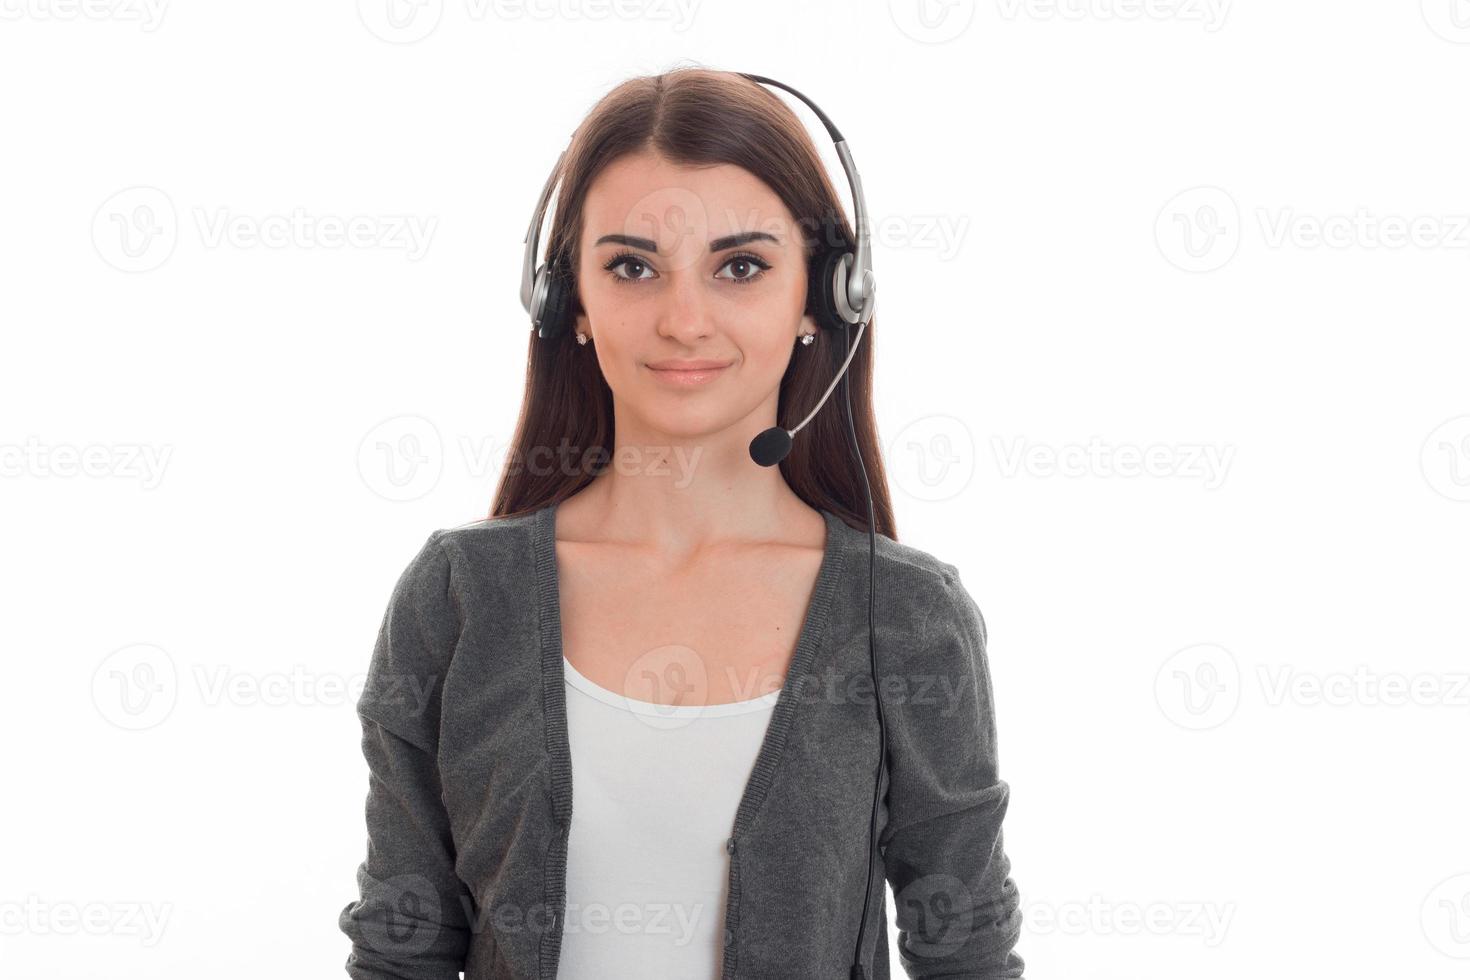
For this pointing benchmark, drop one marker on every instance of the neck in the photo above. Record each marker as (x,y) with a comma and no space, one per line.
(678,493)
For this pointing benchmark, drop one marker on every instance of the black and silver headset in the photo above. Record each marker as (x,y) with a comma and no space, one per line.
(841,292)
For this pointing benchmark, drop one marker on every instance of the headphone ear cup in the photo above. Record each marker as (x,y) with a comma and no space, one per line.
(820,302)
(555,315)
(832,247)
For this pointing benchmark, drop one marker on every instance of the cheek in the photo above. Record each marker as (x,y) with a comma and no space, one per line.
(603,299)
(777,299)
(593,289)
(766,346)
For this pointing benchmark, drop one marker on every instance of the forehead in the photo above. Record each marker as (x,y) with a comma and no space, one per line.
(646,196)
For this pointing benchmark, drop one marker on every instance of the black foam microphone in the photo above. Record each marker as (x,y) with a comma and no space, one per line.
(771,446)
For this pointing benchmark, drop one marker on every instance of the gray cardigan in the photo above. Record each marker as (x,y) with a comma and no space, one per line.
(470,796)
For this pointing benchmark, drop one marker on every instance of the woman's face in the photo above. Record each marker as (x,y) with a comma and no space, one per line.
(680,264)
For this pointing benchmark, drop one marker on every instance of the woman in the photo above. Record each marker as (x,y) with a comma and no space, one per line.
(678,633)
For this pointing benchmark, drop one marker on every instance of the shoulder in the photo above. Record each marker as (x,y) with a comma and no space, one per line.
(477,550)
(454,563)
(928,590)
(489,537)
(907,563)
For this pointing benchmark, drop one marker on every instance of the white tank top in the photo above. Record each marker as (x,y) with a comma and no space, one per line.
(654,793)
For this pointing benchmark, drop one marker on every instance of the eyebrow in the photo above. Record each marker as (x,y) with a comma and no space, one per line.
(718,245)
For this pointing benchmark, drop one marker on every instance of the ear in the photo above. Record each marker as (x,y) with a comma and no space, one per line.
(583,324)
(808,325)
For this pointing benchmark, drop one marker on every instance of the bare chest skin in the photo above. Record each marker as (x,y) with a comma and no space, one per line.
(724,629)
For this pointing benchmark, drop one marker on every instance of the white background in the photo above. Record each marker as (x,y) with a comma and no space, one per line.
(1230,238)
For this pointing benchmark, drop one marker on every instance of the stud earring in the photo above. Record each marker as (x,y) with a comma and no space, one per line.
(582,339)
(808,338)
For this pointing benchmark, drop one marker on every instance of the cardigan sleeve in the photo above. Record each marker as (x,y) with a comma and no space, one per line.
(956,906)
(411,921)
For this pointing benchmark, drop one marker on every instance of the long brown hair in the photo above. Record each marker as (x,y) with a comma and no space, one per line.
(696,116)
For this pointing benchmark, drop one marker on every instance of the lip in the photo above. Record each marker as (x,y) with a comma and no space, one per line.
(687,372)
(691,365)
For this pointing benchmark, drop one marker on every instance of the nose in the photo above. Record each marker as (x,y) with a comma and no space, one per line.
(684,315)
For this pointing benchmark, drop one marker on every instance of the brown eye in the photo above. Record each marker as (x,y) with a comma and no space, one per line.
(628,261)
(747,268)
